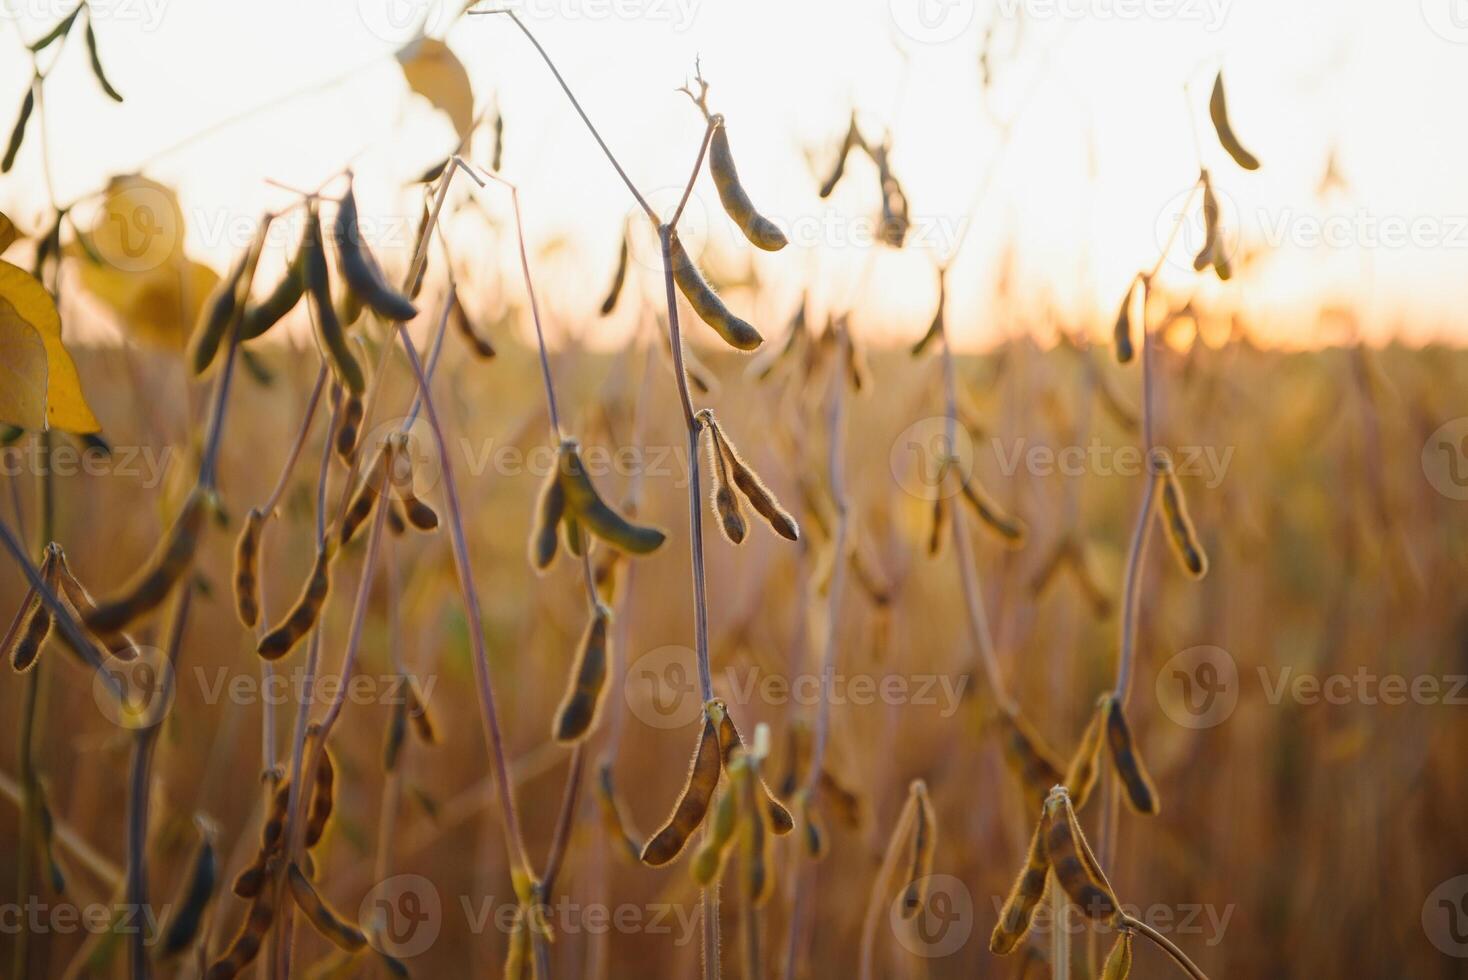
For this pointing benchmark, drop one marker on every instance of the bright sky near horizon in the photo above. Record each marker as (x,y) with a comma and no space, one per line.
(1102,140)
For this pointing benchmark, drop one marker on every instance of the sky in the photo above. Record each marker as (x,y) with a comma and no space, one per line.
(1059,178)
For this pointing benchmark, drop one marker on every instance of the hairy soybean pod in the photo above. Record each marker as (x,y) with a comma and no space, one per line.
(215,317)
(1071,859)
(21,623)
(693,802)
(618,278)
(283,638)
(737,333)
(282,299)
(1121,334)
(246,945)
(1218,112)
(400,472)
(549,509)
(1024,897)
(1011,530)
(586,505)
(938,528)
(328,327)
(1029,758)
(1118,964)
(924,843)
(246,569)
(759,873)
(166,566)
(360,269)
(611,814)
(1211,243)
(418,714)
(322,797)
(725,503)
(577,712)
(754,489)
(731,743)
(374,482)
(1180,529)
(323,917)
(193,900)
(349,428)
(1080,775)
(708,860)
(760,231)
(1141,795)
(34,622)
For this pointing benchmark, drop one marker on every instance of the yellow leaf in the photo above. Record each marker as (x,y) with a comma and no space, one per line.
(7,232)
(154,289)
(66,406)
(22,371)
(159,308)
(435,72)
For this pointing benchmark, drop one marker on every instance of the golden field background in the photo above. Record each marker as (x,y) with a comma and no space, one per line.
(1318,830)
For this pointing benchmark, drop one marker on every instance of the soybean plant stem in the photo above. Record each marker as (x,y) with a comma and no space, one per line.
(652,216)
(139,784)
(901,830)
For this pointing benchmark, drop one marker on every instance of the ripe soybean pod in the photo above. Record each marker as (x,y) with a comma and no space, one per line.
(590,511)
(328,326)
(282,639)
(169,562)
(1024,896)
(924,844)
(360,269)
(698,792)
(1072,862)
(577,712)
(1141,794)
(737,333)
(761,231)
